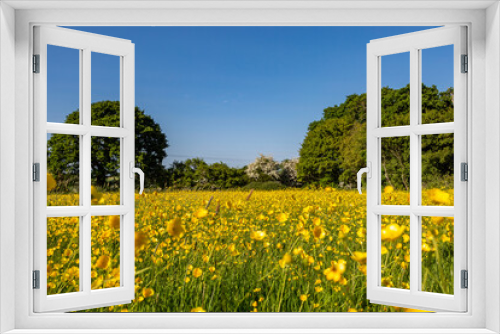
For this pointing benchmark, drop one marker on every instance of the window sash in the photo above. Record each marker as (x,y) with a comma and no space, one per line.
(413,43)
(87,43)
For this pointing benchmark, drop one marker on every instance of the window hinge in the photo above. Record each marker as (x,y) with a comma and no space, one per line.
(36,63)
(465,279)
(36,279)
(36,172)
(464,172)
(465,64)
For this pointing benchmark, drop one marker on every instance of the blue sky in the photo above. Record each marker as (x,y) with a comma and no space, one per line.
(230,93)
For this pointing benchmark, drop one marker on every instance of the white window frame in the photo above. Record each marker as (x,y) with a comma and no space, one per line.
(484,103)
(85,44)
(413,44)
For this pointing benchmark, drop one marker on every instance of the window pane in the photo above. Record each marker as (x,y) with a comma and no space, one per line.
(437,84)
(395,101)
(105,89)
(437,170)
(395,170)
(105,252)
(63,261)
(63,170)
(105,171)
(437,254)
(395,252)
(63,84)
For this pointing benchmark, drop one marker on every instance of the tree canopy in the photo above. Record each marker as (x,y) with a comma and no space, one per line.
(150,145)
(334,148)
(197,174)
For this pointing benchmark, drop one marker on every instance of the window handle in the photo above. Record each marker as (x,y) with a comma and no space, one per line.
(139,171)
(368,171)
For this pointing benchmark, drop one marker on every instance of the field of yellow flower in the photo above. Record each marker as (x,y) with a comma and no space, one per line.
(291,250)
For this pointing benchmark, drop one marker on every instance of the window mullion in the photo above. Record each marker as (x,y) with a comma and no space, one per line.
(415,188)
(85,152)
(86,232)
(85,253)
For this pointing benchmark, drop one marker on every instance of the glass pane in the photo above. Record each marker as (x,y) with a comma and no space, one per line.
(105,171)
(437,170)
(437,254)
(395,171)
(105,89)
(63,261)
(63,84)
(437,84)
(395,94)
(395,253)
(105,252)
(63,170)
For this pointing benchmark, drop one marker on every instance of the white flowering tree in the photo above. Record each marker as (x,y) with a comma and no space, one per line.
(264,168)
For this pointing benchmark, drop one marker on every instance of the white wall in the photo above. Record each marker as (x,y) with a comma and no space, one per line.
(477,127)
(492,166)
(7,161)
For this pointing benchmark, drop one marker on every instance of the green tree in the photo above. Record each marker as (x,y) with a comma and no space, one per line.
(334,148)
(319,161)
(288,172)
(177,175)
(352,153)
(223,177)
(63,161)
(150,146)
(197,174)
(396,162)
(437,161)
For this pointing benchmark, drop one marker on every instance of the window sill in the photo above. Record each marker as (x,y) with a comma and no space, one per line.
(250,331)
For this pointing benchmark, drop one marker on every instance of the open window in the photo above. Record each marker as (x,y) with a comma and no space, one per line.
(81,284)
(415,133)
(89,160)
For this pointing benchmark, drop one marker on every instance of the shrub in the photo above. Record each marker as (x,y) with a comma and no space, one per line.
(268,185)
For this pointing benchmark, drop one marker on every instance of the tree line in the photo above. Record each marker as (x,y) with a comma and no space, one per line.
(334,148)
(332,152)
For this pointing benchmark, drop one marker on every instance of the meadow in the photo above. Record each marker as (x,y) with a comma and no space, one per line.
(292,250)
